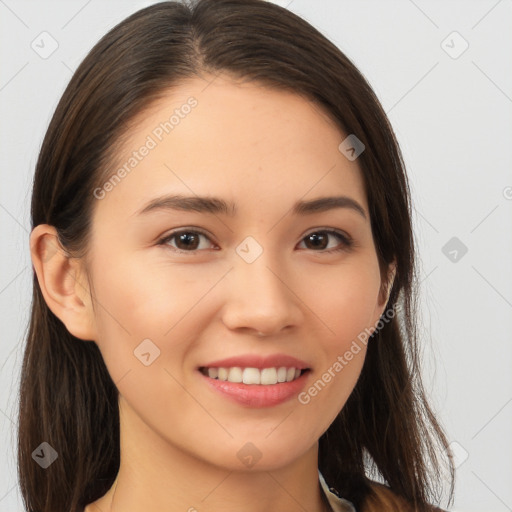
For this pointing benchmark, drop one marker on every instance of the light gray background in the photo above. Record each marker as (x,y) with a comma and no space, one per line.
(453,120)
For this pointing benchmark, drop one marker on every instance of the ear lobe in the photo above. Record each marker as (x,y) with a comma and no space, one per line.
(59,277)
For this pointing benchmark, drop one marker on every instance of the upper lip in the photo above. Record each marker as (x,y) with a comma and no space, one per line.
(258,361)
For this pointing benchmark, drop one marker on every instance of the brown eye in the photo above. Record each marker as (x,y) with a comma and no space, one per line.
(185,240)
(320,240)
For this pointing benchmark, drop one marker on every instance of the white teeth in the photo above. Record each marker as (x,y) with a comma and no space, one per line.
(235,374)
(281,374)
(269,376)
(251,376)
(266,376)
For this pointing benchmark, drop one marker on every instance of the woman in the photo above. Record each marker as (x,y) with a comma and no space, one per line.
(223,305)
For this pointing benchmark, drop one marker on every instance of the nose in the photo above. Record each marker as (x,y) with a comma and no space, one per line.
(261,298)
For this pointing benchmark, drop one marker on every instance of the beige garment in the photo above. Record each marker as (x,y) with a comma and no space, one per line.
(337,504)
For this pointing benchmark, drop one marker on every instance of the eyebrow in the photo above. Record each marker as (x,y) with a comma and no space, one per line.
(215,205)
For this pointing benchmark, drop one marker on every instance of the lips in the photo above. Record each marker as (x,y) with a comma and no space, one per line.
(257,396)
(258,361)
(244,373)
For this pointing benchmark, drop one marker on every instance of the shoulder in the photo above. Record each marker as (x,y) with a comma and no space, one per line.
(385,499)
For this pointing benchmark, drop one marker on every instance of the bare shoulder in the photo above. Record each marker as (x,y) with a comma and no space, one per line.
(387,500)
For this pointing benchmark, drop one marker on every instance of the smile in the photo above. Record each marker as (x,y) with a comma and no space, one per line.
(263,377)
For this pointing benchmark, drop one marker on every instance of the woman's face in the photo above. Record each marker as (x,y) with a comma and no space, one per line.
(179,288)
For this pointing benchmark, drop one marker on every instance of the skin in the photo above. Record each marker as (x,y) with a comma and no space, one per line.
(262,149)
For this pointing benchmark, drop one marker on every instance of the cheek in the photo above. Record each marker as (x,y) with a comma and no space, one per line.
(346,306)
(134,304)
(346,301)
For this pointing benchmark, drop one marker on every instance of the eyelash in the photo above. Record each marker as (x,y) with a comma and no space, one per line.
(346,242)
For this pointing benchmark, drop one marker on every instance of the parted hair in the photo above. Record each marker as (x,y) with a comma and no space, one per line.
(386,430)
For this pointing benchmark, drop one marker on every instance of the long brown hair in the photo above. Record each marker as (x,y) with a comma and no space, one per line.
(67,397)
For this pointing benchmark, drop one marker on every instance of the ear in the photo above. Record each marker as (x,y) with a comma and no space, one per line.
(62,282)
(386,286)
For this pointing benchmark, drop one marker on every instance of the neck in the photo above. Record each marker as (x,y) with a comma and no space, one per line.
(155,475)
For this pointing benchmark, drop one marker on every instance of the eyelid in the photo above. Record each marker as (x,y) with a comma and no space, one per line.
(326,229)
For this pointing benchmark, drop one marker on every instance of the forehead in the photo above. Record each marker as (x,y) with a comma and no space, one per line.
(242,141)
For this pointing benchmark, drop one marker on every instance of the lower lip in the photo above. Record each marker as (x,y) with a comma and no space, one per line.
(256,395)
